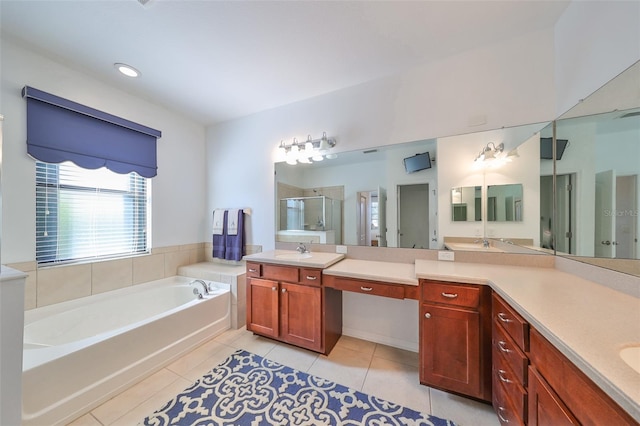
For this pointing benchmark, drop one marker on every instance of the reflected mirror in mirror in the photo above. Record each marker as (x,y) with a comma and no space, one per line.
(597,190)
(597,201)
(466,204)
(504,203)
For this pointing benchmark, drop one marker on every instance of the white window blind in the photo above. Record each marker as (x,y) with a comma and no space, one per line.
(84,214)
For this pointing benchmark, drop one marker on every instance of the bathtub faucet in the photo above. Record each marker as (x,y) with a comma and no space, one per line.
(204,285)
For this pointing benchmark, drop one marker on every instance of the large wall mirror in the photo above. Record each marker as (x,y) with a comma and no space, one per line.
(504,203)
(597,149)
(381,199)
(466,204)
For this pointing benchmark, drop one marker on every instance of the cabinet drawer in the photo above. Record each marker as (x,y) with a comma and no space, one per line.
(254,270)
(505,377)
(280,273)
(512,322)
(365,287)
(450,294)
(503,407)
(311,276)
(504,346)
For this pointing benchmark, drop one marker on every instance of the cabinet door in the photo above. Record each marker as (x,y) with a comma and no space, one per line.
(301,315)
(545,407)
(262,307)
(450,349)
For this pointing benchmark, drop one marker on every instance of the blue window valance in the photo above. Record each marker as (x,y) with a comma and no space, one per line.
(62,130)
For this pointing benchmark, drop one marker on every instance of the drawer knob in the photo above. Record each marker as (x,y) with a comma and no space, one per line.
(366,288)
(284,290)
(310,278)
(503,317)
(449,295)
(274,288)
(501,345)
(253,270)
(501,376)
(427,315)
(502,419)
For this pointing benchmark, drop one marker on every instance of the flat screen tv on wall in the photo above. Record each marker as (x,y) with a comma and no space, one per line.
(417,162)
(546,148)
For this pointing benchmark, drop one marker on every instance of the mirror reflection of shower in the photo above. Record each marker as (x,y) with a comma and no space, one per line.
(308,216)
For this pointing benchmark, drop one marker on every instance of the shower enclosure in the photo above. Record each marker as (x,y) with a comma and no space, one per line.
(315,219)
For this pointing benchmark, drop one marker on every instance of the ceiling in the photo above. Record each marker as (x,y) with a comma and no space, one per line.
(218,60)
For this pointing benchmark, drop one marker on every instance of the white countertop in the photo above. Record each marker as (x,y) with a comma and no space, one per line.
(589,323)
(281,257)
(390,272)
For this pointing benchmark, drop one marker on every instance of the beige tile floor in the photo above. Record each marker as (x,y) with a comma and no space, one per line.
(372,368)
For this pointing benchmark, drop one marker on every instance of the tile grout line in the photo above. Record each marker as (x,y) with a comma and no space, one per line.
(368,367)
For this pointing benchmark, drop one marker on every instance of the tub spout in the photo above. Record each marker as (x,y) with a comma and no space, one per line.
(204,285)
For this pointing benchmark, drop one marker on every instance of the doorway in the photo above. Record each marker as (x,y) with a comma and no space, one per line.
(626,228)
(616,215)
(413,216)
(561,235)
(371,222)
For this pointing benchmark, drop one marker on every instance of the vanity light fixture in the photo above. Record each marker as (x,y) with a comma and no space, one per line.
(512,154)
(127,70)
(489,154)
(309,151)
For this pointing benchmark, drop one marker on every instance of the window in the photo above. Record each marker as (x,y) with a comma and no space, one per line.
(374,213)
(84,214)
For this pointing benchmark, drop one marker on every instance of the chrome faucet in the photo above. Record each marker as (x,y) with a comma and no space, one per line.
(485,242)
(204,285)
(302,248)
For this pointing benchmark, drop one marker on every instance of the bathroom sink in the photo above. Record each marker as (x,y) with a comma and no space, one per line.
(293,256)
(631,356)
(471,247)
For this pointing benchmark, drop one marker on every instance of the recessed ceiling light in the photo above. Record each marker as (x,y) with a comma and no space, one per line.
(127,70)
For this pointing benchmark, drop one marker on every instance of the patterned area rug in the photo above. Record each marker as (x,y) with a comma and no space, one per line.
(250,390)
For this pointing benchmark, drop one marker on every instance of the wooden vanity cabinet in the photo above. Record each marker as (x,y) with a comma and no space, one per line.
(546,407)
(510,344)
(535,384)
(290,304)
(455,338)
(562,394)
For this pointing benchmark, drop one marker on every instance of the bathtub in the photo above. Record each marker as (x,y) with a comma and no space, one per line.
(78,354)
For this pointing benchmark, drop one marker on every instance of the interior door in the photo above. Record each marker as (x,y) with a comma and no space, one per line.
(363,219)
(626,216)
(413,216)
(382,217)
(605,218)
(565,228)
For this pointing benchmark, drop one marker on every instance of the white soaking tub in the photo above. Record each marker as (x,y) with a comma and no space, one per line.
(78,354)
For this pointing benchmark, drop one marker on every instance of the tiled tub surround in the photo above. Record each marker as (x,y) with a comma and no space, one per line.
(79,353)
(588,322)
(232,273)
(43,285)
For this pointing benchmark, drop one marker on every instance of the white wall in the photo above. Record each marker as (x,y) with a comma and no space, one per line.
(178,205)
(428,101)
(594,42)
